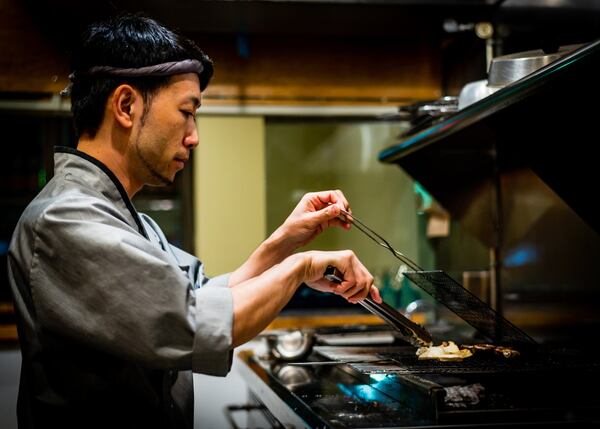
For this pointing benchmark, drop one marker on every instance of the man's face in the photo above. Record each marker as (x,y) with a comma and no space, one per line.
(167,134)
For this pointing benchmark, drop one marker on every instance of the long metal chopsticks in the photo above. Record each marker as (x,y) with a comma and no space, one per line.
(361,226)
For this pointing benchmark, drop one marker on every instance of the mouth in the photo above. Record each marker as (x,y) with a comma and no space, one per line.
(181,160)
(180,163)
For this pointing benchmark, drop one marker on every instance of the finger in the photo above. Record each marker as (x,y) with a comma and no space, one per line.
(339,222)
(337,197)
(323,199)
(342,200)
(354,299)
(374,292)
(343,203)
(325,217)
(365,282)
(343,220)
(362,291)
(343,288)
(323,285)
(354,294)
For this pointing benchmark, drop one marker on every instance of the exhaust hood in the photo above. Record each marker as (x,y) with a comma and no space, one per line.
(545,122)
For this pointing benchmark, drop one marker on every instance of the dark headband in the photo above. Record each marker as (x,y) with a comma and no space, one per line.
(163,69)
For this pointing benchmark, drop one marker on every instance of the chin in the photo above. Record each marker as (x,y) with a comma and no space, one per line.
(167,181)
(158,184)
(161,180)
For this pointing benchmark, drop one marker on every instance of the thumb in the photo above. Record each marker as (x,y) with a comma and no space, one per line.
(325,214)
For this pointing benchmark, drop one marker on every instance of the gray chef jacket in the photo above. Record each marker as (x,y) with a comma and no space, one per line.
(110,316)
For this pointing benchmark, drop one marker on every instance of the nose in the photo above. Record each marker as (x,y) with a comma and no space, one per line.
(191,139)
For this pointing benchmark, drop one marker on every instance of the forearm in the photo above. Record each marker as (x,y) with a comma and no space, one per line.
(270,252)
(261,298)
(315,213)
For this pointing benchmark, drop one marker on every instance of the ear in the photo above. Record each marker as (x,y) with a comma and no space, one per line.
(126,105)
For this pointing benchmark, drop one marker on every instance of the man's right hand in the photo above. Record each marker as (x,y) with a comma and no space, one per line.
(258,300)
(357,282)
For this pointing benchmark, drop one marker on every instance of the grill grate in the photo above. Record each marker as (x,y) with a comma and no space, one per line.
(477,364)
(468,307)
(403,360)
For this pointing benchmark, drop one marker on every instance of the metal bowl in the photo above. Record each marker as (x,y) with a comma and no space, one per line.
(290,345)
(507,69)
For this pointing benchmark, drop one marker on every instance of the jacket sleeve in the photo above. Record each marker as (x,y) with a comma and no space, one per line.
(96,280)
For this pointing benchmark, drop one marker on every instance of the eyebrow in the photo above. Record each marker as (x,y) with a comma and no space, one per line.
(194,100)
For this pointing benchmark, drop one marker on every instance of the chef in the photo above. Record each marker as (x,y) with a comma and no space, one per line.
(111,317)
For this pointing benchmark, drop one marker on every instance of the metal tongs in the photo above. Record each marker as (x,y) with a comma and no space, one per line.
(411,331)
(414,333)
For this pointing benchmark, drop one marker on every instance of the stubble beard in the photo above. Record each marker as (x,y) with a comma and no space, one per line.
(162,180)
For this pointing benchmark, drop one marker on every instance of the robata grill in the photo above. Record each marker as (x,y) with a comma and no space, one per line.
(391,386)
(535,385)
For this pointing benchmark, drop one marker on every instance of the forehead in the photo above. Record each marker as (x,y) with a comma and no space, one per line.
(182,87)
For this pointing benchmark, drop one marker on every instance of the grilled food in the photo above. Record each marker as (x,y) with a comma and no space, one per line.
(447,351)
(507,352)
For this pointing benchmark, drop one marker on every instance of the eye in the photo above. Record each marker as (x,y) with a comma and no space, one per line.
(188,114)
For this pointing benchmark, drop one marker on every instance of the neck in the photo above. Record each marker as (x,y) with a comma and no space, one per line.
(114,157)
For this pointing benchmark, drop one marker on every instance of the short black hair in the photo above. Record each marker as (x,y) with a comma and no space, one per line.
(124,41)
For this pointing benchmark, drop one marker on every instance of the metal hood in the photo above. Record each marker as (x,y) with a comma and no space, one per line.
(539,131)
